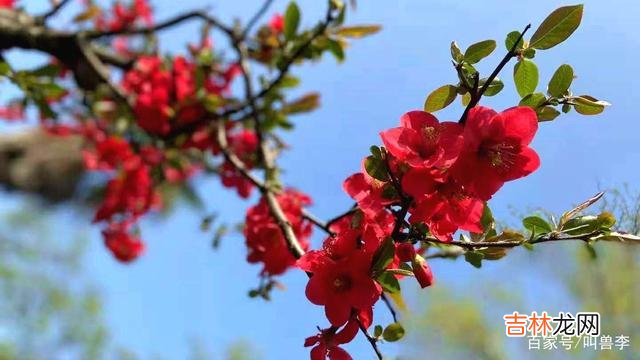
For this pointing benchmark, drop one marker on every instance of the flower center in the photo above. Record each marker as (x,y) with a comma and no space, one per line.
(500,155)
(342,283)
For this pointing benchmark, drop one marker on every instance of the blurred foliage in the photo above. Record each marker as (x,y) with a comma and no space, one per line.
(462,323)
(47,308)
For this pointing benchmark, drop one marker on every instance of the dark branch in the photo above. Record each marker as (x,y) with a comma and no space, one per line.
(255,18)
(477,95)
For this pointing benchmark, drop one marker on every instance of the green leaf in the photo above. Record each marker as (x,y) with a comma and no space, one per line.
(393,332)
(466,99)
(536,225)
(547,113)
(5,69)
(479,51)
(291,20)
(358,31)
(588,105)
(377,331)
(474,258)
(440,98)
(388,282)
(289,81)
(456,54)
(335,47)
(306,103)
(494,88)
(384,256)
(525,75)
(560,81)
(377,168)
(533,101)
(557,27)
(511,39)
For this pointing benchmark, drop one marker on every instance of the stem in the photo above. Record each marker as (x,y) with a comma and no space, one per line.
(371,339)
(386,301)
(476,96)
(52,12)
(255,18)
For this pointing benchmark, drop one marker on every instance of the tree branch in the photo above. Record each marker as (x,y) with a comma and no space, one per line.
(255,18)
(476,96)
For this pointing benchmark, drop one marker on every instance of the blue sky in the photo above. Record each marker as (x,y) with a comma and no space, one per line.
(181,289)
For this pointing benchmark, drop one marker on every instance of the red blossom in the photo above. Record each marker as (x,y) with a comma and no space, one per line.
(326,344)
(423,142)
(276,23)
(340,285)
(129,193)
(443,204)
(12,112)
(368,192)
(496,149)
(124,246)
(264,238)
(108,154)
(7,3)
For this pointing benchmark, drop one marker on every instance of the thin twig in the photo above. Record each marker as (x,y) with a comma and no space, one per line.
(178,19)
(371,339)
(52,12)
(476,96)
(385,299)
(255,18)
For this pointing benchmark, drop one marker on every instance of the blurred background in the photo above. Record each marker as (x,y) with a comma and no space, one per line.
(62,296)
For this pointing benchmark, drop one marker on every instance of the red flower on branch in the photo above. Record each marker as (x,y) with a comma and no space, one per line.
(340,285)
(423,142)
(496,149)
(124,246)
(7,3)
(276,23)
(326,344)
(264,238)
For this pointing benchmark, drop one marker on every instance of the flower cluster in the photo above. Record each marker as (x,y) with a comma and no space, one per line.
(128,195)
(123,17)
(448,170)
(7,4)
(166,96)
(441,173)
(264,237)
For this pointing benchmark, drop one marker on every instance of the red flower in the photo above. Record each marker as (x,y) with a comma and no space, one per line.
(442,204)
(368,192)
(124,246)
(130,193)
(422,141)
(109,153)
(327,342)
(496,149)
(13,111)
(243,144)
(7,3)
(264,237)
(276,23)
(340,285)
(422,271)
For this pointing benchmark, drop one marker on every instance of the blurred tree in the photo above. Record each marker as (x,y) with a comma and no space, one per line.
(48,310)
(455,323)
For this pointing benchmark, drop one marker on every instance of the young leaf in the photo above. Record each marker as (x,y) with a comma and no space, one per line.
(510,41)
(557,27)
(388,282)
(494,88)
(358,31)
(456,54)
(560,81)
(393,332)
(533,101)
(547,113)
(376,168)
(588,105)
(479,51)
(474,258)
(291,20)
(525,75)
(440,98)
(536,225)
